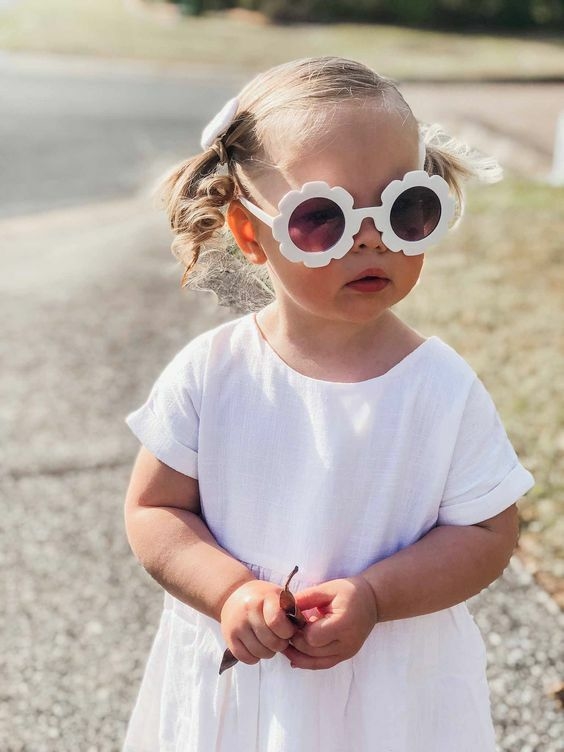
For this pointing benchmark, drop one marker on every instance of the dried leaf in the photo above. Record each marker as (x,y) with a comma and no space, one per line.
(227,661)
(287,602)
(288,605)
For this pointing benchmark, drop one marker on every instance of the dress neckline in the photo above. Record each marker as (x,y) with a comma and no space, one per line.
(401,365)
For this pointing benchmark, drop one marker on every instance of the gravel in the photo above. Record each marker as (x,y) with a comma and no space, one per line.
(80,614)
(524,634)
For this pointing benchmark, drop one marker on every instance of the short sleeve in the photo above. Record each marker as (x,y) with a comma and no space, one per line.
(167,424)
(485,475)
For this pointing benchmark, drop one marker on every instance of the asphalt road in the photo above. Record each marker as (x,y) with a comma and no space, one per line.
(74,132)
(91,311)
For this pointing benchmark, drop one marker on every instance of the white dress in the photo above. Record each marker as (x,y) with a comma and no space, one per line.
(332,477)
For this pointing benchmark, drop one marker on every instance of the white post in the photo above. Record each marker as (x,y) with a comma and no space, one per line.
(556,176)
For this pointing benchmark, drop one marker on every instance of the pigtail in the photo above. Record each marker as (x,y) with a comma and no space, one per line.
(194,195)
(456,162)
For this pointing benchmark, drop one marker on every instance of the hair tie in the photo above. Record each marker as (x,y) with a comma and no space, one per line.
(219,124)
(219,148)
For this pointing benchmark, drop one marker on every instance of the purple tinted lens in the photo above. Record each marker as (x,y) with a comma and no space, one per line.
(415,213)
(317,224)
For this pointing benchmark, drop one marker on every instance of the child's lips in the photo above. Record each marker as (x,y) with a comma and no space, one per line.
(369,284)
(370,280)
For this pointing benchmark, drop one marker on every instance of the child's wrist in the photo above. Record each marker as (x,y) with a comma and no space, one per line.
(371,595)
(243,580)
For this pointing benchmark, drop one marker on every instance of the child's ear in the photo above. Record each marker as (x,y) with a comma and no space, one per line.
(244,234)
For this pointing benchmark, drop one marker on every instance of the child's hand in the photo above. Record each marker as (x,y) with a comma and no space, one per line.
(347,614)
(253,624)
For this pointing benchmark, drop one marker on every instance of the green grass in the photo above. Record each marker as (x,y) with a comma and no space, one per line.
(493,290)
(110,28)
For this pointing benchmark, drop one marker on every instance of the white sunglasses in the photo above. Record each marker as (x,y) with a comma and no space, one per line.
(318,223)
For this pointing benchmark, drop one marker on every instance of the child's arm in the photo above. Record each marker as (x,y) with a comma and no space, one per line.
(445,567)
(172,542)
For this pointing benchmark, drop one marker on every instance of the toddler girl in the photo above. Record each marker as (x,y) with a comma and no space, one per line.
(320,431)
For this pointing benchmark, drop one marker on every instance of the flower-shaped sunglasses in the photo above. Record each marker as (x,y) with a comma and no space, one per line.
(318,223)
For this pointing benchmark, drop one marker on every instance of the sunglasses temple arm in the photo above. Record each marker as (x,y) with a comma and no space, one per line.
(258,213)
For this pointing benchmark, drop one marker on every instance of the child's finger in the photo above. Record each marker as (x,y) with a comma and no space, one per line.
(300,660)
(312,614)
(275,618)
(313,597)
(242,654)
(267,637)
(254,645)
(299,642)
(250,643)
(321,632)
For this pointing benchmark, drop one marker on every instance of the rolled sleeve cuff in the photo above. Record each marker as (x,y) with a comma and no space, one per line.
(516,483)
(156,438)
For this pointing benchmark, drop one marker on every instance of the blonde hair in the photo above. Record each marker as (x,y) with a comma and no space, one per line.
(197,192)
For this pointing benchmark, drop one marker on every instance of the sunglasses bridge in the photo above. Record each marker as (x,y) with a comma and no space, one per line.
(377,214)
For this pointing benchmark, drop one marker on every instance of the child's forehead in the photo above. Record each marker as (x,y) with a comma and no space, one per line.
(360,148)
(355,126)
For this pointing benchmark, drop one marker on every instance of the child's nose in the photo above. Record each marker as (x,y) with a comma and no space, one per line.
(368,235)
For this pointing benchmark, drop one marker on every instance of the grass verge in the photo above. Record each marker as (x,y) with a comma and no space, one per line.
(130,29)
(493,290)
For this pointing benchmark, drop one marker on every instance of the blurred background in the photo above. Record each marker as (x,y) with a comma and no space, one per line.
(96,101)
